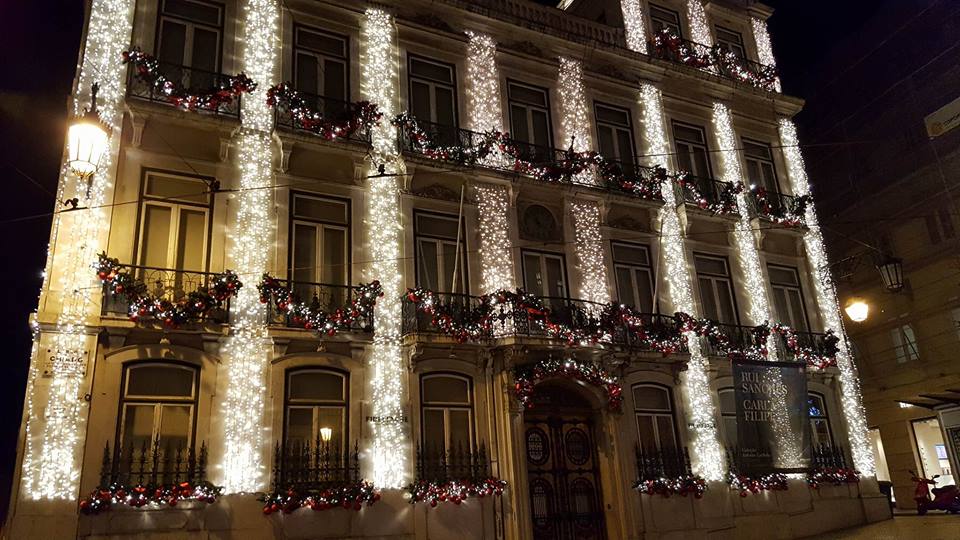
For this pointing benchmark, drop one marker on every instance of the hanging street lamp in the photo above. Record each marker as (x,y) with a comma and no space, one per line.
(857,309)
(891,272)
(88,138)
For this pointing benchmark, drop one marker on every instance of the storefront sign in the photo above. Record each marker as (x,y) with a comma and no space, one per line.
(772,418)
(73,363)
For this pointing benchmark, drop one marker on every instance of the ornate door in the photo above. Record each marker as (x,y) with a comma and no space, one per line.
(563,476)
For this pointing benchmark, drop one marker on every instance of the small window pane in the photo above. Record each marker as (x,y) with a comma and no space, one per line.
(624,253)
(444,389)
(428,264)
(160,381)
(518,123)
(541,128)
(815,403)
(156,236)
(430,70)
(332,418)
(625,286)
(651,398)
(192,234)
(175,421)
(525,94)
(206,51)
(689,133)
(304,253)
(728,403)
(200,12)
(437,226)
(783,276)
(173,39)
(668,438)
(711,265)
(306,70)
(433,429)
(646,432)
(613,115)
(299,425)
(459,429)
(320,42)
(316,385)
(320,209)
(334,256)
(334,79)
(137,427)
(177,188)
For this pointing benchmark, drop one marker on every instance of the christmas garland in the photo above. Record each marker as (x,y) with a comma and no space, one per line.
(670,46)
(303,315)
(224,93)
(747,485)
(196,306)
(358,115)
(726,202)
(455,491)
(790,217)
(429,148)
(527,377)
(666,487)
(477,324)
(346,496)
(836,476)
(102,499)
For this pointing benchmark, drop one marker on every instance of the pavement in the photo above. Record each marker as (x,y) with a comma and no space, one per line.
(933,526)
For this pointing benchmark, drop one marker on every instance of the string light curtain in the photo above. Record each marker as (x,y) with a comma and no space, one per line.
(54,429)
(633,25)
(699,27)
(707,456)
(246,352)
(761,39)
(574,116)
(850,395)
(589,248)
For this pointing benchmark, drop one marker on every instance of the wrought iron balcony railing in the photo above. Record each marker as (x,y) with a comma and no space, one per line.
(707,194)
(319,297)
(439,465)
(656,463)
(190,79)
(153,463)
(823,456)
(447,143)
(717,60)
(782,208)
(165,284)
(743,338)
(305,466)
(333,109)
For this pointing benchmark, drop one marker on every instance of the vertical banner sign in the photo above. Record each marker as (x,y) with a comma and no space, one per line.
(771,407)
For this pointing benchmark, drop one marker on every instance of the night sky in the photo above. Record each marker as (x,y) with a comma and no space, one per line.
(39,42)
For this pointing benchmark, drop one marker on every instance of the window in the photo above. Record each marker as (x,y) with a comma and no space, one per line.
(158,406)
(730,40)
(433,91)
(940,225)
(544,274)
(653,408)
(788,297)
(447,412)
(634,275)
(819,420)
(319,255)
(761,171)
(438,240)
(316,408)
(692,152)
(716,290)
(320,65)
(728,415)
(615,133)
(189,35)
(663,18)
(174,223)
(530,120)
(904,343)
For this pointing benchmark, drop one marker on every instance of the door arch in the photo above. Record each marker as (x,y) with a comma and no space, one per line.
(563,472)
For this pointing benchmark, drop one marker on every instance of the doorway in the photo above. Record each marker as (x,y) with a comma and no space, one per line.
(932,451)
(563,474)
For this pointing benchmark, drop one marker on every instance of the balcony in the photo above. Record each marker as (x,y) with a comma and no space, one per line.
(191,80)
(153,464)
(657,463)
(444,142)
(715,60)
(309,467)
(515,321)
(318,297)
(168,286)
(439,465)
(333,111)
(788,210)
(707,194)
(743,338)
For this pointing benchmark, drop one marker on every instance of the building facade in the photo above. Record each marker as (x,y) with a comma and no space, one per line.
(216,369)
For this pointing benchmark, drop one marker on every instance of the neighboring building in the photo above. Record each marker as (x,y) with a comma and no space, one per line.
(248,398)
(886,177)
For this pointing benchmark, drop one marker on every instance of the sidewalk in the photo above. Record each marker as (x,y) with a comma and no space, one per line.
(933,526)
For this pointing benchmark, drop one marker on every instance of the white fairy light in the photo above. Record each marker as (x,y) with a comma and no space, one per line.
(850,396)
(761,38)
(697,20)
(758,301)
(633,25)
(708,456)
(589,248)
(483,84)
(246,351)
(380,73)
(51,463)
(496,260)
(574,118)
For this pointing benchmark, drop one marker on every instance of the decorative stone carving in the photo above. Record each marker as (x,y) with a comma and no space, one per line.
(528,47)
(432,21)
(538,223)
(438,191)
(629,223)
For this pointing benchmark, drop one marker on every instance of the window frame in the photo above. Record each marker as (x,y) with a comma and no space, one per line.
(314,404)
(297,49)
(671,413)
(548,108)
(145,199)
(157,401)
(542,254)
(771,161)
(799,289)
(453,86)
(725,415)
(651,272)
(677,20)
(905,349)
(322,224)
(220,29)
(628,128)
(470,407)
(717,28)
(825,417)
(728,277)
(705,145)
(418,235)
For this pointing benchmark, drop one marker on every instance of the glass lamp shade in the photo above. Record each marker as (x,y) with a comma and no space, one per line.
(891,272)
(857,310)
(86,144)
(326,434)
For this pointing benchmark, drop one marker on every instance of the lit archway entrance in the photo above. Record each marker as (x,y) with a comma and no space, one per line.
(563,473)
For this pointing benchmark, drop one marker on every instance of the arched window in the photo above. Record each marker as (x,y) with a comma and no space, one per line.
(316,408)
(728,415)
(446,412)
(653,408)
(158,405)
(819,420)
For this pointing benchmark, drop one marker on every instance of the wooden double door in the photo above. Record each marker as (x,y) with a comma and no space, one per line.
(562,471)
